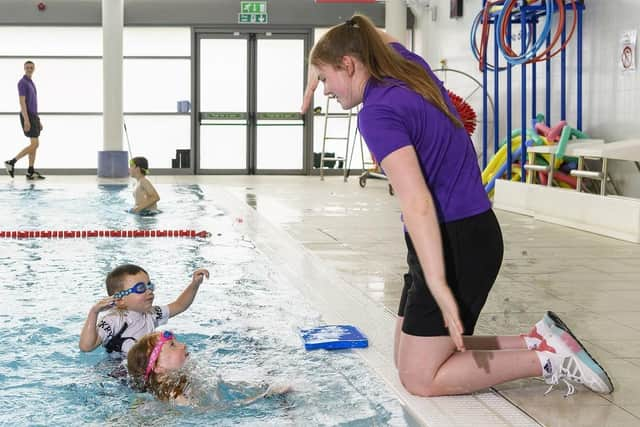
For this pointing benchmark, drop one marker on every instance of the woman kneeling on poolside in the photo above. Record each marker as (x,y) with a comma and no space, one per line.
(453,238)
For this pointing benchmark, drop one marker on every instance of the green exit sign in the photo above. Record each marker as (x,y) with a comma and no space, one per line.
(253,18)
(253,7)
(253,12)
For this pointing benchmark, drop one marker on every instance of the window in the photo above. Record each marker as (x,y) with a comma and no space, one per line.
(50,41)
(155,85)
(156,41)
(158,137)
(70,142)
(69,80)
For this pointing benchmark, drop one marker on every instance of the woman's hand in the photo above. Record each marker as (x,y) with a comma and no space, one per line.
(449,308)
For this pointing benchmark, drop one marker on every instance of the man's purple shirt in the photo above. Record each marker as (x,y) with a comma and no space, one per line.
(27,88)
(393,116)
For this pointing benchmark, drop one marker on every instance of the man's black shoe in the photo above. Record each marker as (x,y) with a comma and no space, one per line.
(34,175)
(10,167)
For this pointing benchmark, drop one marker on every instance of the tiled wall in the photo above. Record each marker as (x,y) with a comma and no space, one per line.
(611,98)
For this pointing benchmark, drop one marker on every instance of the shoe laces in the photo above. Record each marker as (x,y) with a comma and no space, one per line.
(567,370)
(555,380)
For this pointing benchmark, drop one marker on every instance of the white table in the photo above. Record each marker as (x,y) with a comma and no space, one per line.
(628,149)
(570,151)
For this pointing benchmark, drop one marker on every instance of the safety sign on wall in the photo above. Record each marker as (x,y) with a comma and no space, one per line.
(627,51)
(253,12)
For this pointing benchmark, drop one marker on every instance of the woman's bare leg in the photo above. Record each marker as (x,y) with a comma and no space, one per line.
(431,366)
(471,342)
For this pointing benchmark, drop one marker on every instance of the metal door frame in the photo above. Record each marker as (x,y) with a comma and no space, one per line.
(251,34)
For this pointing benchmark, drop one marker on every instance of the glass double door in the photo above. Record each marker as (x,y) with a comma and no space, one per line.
(248,94)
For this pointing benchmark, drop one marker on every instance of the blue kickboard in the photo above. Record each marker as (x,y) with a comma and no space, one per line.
(332,337)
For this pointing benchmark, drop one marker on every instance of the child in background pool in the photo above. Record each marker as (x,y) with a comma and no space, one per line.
(156,364)
(145,195)
(131,311)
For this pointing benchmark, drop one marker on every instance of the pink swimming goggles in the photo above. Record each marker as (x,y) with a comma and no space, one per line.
(164,337)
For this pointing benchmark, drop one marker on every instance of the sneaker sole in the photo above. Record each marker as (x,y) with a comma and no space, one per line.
(580,351)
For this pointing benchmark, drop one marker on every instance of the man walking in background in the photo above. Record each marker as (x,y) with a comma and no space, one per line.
(30,121)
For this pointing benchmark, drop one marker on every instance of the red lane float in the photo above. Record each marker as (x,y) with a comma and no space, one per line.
(86,234)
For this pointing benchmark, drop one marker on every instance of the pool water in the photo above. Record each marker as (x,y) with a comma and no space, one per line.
(242,329)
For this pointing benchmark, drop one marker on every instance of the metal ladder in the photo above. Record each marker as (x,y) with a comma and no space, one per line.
(370,169)
(357,137)
(373,172)
(329,115)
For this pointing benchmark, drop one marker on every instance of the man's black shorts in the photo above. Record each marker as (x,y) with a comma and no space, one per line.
(473,251)
(34,132)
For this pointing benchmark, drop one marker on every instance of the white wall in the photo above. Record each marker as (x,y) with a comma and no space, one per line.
(611,99)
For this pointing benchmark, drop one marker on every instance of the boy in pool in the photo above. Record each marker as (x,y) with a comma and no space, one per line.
(131,311)
(145,195)
(156,363)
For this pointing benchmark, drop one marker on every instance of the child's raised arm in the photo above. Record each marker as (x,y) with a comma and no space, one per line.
(186,297)
(89,338)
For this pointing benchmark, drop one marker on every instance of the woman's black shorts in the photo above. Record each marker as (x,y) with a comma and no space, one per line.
(472,253)
(34,132)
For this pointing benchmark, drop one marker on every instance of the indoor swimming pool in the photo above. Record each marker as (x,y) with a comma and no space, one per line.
(242,329)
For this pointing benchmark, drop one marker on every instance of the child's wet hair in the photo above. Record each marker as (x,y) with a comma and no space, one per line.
(142,163)
(115,279)
(165,388)
(137,360)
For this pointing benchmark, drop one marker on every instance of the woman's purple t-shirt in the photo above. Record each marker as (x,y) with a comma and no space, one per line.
(393,116)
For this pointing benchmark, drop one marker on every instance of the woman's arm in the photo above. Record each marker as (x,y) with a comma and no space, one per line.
(420,217)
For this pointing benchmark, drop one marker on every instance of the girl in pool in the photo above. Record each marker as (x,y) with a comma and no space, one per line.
(155,364)
(145,195)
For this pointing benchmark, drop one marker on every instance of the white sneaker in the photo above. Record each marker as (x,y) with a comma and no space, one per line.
(573,363)
(543,331)
(537,336)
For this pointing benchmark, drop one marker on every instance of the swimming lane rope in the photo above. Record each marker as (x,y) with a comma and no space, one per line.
(85,234)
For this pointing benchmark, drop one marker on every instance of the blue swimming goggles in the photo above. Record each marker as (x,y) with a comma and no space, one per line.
(138,288)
